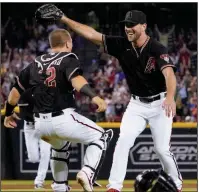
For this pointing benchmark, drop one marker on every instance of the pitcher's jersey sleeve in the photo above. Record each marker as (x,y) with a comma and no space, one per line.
(113,45)
(162,57)
(71,67)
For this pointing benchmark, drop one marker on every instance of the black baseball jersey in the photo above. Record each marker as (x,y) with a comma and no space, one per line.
(49,77)
(26,105)
(142,67)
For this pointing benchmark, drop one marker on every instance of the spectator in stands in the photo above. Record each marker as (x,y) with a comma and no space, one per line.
(187,78)
(92,20)
(26,39)
(164,35)
(110,111)
(192,37)
(193,107)
(193,86)
(16,63)
(32,45)
(42,45)
(6,86)
(4,27)
(179,106)
(5,58)
(185,62)
(179,42)
(175,58)
(182,91)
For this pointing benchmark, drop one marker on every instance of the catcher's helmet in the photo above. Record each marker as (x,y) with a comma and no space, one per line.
(154,181)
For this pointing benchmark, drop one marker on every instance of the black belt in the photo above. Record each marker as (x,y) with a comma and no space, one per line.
(30,122)
(54,114)
(148,99)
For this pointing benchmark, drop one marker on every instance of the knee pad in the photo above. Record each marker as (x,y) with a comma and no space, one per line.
(102,144)
(61,154)
(59,161)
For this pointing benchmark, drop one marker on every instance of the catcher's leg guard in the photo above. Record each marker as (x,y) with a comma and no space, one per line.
(98,149)
(59,161)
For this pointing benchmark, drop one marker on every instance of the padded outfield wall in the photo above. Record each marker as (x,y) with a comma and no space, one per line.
(15,164)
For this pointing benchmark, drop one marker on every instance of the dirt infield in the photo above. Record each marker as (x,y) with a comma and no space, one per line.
(16,185)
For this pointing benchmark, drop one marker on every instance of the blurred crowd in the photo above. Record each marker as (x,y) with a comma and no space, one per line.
(23,40)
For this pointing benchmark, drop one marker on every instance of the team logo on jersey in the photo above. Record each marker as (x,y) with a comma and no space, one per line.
(165,57)
(150,65)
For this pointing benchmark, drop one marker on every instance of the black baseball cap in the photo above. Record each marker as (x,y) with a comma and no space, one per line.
(134,17)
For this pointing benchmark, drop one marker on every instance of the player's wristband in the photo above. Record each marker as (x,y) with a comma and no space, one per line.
(9,109)
(86,89)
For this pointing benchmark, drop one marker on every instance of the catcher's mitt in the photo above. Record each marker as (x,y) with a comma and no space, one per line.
(48,13)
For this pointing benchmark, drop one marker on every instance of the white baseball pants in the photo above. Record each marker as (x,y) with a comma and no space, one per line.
(38,151)
(134,121)
(73,127)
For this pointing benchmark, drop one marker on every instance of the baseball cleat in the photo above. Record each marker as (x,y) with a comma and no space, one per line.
(113,190)
(39,186)
(96,184)
(84,181)
(56,188)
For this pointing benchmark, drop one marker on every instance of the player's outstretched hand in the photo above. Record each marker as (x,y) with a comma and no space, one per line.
(10,121)
(100,103)
(169,106)
(48,13)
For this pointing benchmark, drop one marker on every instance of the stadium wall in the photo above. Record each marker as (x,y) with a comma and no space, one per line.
(15,164)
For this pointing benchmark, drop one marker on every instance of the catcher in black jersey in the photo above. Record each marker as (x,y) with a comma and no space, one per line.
(52,78)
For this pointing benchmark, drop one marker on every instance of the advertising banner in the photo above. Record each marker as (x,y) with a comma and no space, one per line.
(141,155)
(183,146)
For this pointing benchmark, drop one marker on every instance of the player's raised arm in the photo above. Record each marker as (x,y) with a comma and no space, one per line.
(83,30)
(50,12)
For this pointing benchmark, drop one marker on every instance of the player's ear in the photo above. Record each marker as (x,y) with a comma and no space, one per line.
(144,26)
(66,45)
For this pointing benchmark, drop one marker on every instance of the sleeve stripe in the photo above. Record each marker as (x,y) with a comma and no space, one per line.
(72,73)
(167,66)
(104,44)
(23,104)
(20,85)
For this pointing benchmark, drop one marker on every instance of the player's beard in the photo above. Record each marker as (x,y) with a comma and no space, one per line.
(134,37)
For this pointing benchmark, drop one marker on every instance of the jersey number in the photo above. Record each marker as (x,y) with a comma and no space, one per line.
(50,81)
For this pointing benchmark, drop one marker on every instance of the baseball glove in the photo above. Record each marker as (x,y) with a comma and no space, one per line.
(48,13)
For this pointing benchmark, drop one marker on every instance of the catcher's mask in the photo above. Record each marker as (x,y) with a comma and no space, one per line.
(154,181)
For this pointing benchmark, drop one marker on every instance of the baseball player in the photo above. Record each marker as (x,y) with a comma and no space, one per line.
(33,143)
(52,78)
(150,76)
